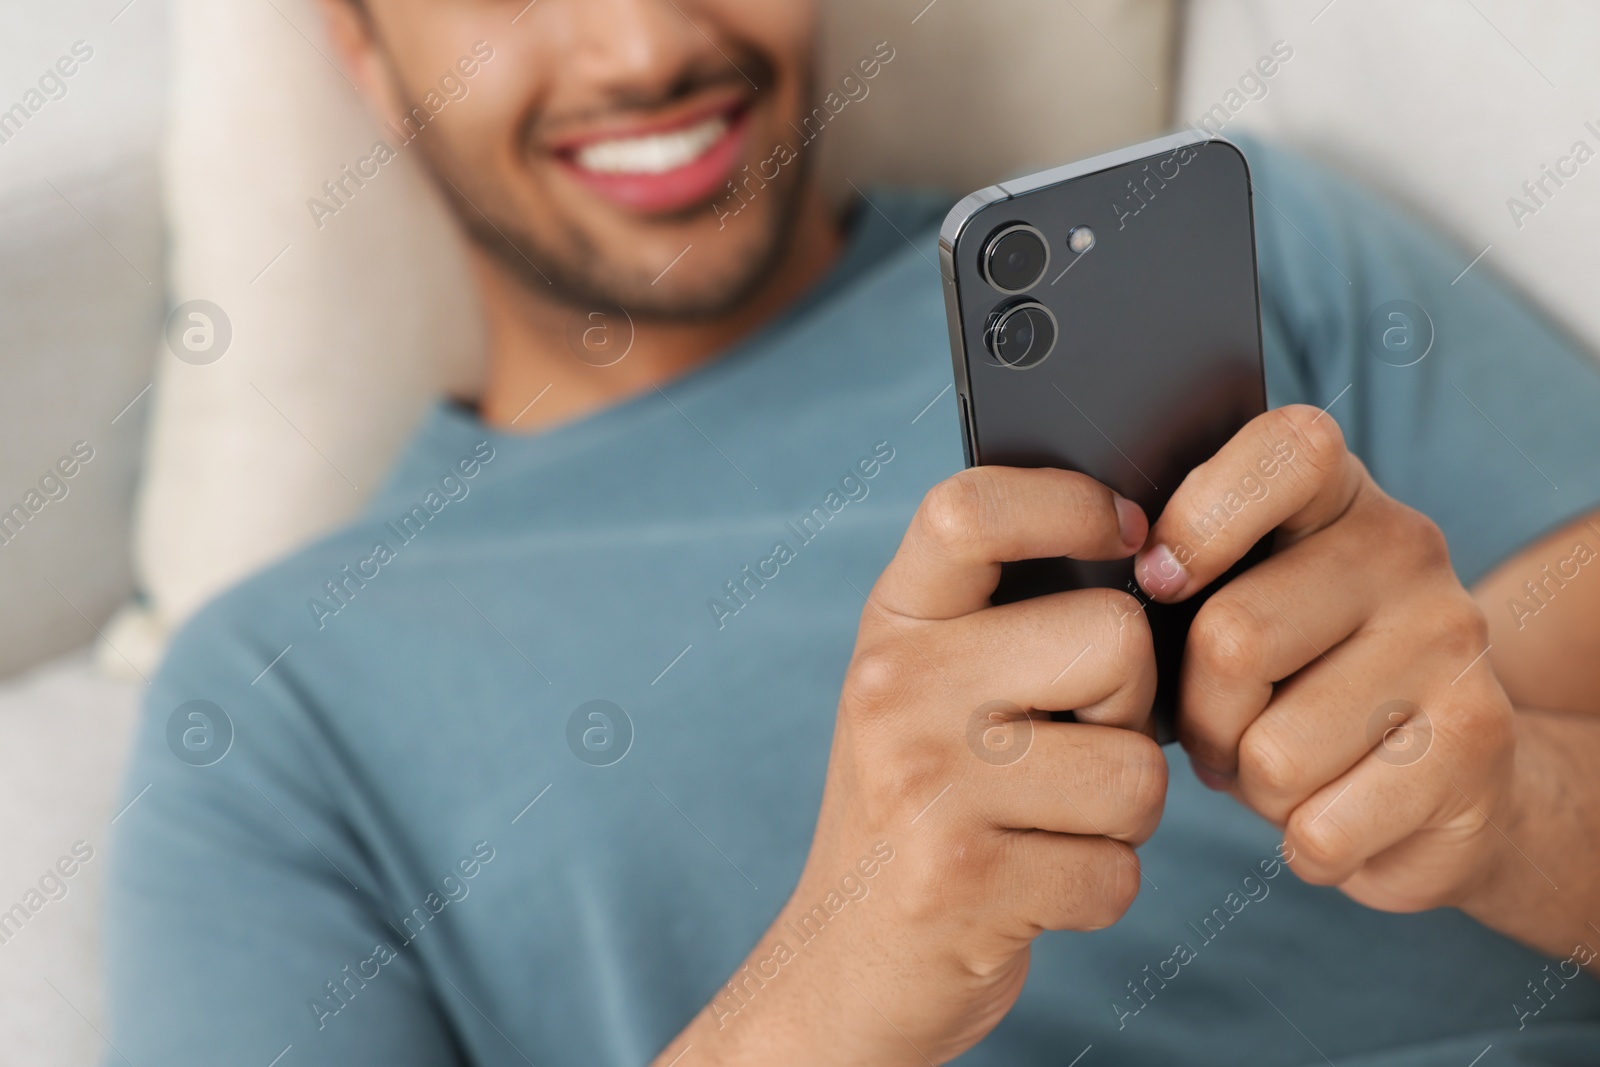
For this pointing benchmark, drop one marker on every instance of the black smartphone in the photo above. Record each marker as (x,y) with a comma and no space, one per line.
(1105,318)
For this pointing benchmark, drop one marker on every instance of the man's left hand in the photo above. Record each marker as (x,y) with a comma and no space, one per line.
(1340,687)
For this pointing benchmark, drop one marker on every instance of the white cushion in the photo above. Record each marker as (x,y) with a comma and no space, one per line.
(1449,107)
(339,332)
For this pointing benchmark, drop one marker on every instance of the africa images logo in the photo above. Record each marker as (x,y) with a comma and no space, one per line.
(199,733)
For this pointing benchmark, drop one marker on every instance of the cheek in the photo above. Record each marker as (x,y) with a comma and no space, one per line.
(426,45)
(782,30)
(478,141)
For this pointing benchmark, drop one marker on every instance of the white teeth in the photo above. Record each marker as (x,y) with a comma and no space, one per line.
(654,153)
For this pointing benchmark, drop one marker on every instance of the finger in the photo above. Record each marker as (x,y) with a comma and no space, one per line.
(986,675)
(1087,651)
(1072,778)
(1286,469)
(1321,724)
(1419,793)
(948,564)
(1061,882)
(1356,816)
(1286,612)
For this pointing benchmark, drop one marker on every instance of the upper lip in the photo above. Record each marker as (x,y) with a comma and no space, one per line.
(725,103)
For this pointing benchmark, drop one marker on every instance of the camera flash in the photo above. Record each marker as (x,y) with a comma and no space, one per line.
(1080,239)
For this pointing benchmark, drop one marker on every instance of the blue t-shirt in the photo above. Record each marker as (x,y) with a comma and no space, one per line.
(519,766)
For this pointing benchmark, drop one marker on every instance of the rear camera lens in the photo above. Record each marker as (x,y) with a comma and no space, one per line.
(1015,259)
(1022,335)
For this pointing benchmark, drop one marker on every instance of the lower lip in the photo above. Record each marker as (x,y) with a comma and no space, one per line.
(673,190)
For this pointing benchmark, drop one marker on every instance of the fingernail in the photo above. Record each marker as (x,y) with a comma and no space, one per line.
(1160,572)
(1212,779)
(1131,523)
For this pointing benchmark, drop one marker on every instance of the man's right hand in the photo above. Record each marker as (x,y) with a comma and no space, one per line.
(958,821)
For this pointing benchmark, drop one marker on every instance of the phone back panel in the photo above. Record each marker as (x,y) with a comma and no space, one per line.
(1158,357)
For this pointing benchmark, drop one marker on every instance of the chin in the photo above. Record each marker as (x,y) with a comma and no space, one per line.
(725,266)
(690,264)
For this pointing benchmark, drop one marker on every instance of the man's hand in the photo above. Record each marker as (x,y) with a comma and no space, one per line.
(1340,687)
(958,821)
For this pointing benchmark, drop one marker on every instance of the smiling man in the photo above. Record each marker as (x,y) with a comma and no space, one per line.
(527,800)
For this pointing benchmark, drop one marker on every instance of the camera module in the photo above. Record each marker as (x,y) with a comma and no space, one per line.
(1022,335)
(1015,258)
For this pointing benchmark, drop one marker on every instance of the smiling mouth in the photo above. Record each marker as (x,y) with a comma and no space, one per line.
(655,153)
(661,170)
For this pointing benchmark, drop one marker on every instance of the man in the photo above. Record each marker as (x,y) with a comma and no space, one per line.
(533,763)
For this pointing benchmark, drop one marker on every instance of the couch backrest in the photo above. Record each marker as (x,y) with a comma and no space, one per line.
(82,289)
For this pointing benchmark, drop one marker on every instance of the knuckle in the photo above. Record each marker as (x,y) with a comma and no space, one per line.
(1124,885)
(1420,538)
(1321,844)
(1315,436)
(1144,783)
(1226,638)
(879,682)
(1127,624)
(1463,627)
(1113,882)
(1268,763)
(952,512)
(1129,767)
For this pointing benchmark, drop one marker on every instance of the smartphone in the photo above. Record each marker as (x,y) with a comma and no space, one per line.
(1105,318)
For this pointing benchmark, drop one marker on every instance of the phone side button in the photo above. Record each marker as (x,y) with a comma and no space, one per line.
(966,430)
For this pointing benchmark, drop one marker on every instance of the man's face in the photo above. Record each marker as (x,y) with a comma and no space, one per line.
(598,141)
